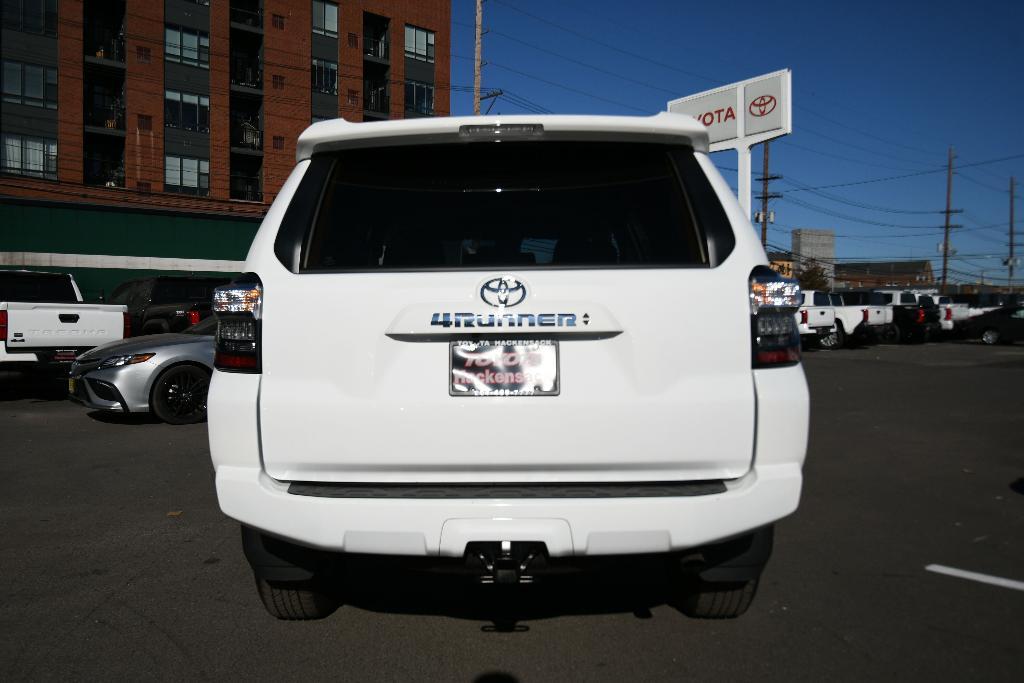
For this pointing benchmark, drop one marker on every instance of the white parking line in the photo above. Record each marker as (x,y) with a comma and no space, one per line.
(975,576)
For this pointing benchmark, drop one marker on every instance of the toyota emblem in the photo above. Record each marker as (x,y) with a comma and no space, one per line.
(503,292)
(762,106)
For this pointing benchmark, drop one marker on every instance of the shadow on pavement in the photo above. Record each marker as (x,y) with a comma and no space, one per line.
(118,418)
(19,386)
(627,586)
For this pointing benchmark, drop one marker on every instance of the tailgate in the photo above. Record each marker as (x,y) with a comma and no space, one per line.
(648,390)
(74,326)
(821,316)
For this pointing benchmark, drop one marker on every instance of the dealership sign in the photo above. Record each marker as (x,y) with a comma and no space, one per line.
(741,115)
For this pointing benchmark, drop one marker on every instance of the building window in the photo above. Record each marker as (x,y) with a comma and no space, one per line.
(187,111)
(277,21)
(278,142)
(145,122)
(29,156)
(30,84)
(187,46)
(31,16)
(324,76)
(325,18)
(419,97)
(278,82)
(419,44)
(143,55)
(318,119)
(186,175)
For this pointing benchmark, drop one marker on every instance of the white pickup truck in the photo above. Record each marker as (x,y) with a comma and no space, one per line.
(952,315)
(816,318)
(856,322)
(43,322)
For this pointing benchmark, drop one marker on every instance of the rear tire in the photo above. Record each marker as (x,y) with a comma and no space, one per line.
(706,600)
(179,395)
(294,601)
(835,340)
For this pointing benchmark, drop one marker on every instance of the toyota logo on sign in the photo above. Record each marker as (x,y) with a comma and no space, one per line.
(762,106)
(502,292)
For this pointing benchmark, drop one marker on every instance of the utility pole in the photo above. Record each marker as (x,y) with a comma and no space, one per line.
(1010,262)
(763,215)
(949,210)
(477,58)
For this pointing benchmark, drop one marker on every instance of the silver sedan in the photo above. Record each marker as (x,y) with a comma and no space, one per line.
(168,374)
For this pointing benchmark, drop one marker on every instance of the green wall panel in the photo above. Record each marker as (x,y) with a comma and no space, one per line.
(93,230)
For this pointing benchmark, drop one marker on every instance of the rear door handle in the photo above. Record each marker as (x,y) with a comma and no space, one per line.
(68,317)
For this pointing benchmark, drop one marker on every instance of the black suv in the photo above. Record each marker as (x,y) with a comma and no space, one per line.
(166,303)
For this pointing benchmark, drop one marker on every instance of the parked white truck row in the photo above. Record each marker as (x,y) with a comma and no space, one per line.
(834,320)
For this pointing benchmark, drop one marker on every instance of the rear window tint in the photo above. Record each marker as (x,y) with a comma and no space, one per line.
(508,205)
(36,288)
(821,299)
(907,298)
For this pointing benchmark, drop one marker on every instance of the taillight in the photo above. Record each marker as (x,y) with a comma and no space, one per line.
(238,307)
(920,316)
(949,314)
(864,315)
(775,339)
(193,317)
(3,327)
(803,317)
(126,326)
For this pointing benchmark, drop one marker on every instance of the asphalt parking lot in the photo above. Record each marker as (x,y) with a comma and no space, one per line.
(118,564)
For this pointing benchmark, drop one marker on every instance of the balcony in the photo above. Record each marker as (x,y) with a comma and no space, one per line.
(109,115)
(246,135)
(246,187)
(248,18)
(246,72)
(103,44)
(376,47)
(105,171)
(375,97)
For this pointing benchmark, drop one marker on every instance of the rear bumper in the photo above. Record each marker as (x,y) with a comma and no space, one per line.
(569,527)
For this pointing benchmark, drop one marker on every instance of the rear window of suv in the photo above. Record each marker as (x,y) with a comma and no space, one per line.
(513,204)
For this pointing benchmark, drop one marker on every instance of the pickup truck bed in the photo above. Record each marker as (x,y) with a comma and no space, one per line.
(43,332)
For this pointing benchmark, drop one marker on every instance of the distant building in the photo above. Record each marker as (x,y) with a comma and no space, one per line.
(815,248)
(781,263)
(884,274)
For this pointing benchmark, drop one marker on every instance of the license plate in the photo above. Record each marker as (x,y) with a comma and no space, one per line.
(71,385)
(503,368)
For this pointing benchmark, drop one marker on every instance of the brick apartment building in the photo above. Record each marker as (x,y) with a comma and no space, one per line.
(912,274)
(151,135)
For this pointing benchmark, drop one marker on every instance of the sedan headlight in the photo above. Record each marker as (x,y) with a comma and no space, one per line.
(118,361)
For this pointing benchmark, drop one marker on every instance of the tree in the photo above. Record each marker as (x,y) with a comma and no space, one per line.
(814,278)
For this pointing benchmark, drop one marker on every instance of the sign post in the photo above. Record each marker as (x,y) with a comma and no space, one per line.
(741,115)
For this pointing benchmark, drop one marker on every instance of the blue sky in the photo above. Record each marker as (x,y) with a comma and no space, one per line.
(879,90)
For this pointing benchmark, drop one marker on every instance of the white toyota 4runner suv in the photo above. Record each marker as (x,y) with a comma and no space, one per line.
(491,341)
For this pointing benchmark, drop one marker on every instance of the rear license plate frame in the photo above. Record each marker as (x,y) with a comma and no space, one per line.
(543,355)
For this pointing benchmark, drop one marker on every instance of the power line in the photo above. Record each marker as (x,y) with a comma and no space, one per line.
(560,85)
(856,219)
(795,145)
(606,45)
(573,60)
(859,205)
